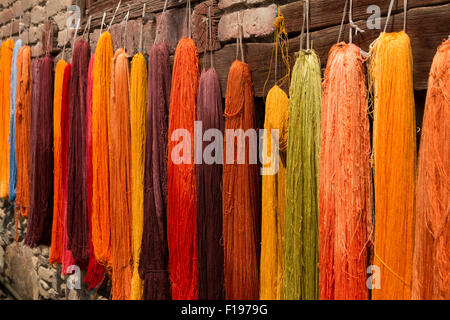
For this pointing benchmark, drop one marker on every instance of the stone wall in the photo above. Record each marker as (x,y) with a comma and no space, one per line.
(27,270)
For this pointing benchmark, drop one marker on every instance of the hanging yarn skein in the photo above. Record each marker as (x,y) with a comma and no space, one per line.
(39,230)
(95,271)
(209,192)
(68,258)
(56,250)
(77,210)
(181,213)
(431,261)
(119,178)
(101,225)
(154,257)
(274,175)
(34,105)
(345,188)
(23,113)
(241,220)
(12,123)
(301,275)
(6,53)
(394,149)
(138,111)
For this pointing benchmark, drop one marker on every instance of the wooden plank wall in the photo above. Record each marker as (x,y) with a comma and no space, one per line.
(427,25)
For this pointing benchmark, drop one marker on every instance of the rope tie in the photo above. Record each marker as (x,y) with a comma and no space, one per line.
(159,24)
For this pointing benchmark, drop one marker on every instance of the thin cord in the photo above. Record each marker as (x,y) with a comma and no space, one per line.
(142,28)
(75,35)
(307,26)
(302,34)
(405,9)
(159,24)
(103,22)
(124,29)
(87,27)
(210,37)
(240,38)
(388,15)
(114,15)
(342,21)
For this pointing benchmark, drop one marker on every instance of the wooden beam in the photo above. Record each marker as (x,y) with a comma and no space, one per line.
(425,38)
(325,13)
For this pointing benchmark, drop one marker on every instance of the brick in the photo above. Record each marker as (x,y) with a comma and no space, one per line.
(200,26)
(36,50)
(223,4)
(257,22)
(37,15)
(60,19)
(55,6)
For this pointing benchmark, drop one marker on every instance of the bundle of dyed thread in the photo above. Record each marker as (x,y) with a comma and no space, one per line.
(154,256)
(275,140)
(23,131)
(138,111)
(77,206)
(345,189)
(209,192)
(68,258)
(181,210)
(95,271)
(273,194)
(119,178)
(6,53)
(12,125)
(301,276)
(432,233)
(41,164)
(241,218)
(56,250)
(394,149)
(101,225)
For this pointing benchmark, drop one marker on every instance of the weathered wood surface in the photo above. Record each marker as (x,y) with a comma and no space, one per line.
(427,27)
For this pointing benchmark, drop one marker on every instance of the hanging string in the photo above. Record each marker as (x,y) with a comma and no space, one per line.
(188,18)
(103,22)
(114,15)
(142,28)
(124,24)
(342,22)
(239,38)
(159,23)
(302,33)
(352,24)
(307,26)
(211,54)
(87,28)
(405,9)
